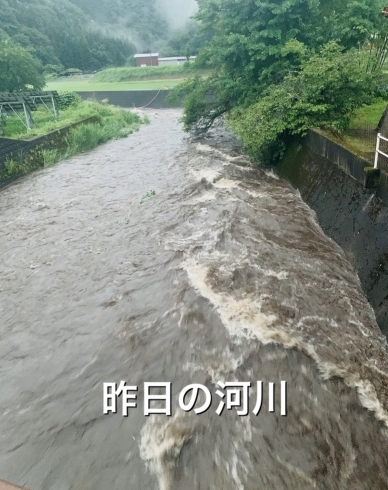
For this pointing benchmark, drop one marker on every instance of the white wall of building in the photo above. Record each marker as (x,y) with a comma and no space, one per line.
(176,60)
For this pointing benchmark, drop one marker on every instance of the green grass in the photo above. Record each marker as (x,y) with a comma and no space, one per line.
(360,137)
(70,85)
(126,73)
(125,78)
(368,115)
(362,147)
(45,122)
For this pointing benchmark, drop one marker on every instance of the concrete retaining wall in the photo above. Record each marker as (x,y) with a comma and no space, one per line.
(18,149)
(355,217)
(341,156)
(154,99)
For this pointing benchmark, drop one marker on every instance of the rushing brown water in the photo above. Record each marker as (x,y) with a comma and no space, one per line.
(222,276)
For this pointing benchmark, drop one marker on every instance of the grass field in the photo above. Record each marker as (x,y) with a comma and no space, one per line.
(86,85)
(126,78)
(131,74)
(44,121)
(368,115)
(361,135)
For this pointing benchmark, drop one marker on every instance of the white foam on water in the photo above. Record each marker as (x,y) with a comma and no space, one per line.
(271,173)
(208,196)
(365,390)
(243,319)
(260,195)
(279,275)
(226,184)
(208,174)
(219,370)
(204,148)
(238,465)
(228,159)
(297,472)
(162,437)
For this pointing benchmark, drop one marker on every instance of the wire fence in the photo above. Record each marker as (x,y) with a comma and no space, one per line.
(363,141)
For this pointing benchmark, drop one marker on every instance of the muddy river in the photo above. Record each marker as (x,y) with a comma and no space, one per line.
(161,258)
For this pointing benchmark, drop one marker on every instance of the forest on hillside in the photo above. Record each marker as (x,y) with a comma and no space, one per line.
(84,34)
(138,20)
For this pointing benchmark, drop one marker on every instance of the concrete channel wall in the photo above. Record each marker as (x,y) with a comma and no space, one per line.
(19,149)
(329,179)
(153,99)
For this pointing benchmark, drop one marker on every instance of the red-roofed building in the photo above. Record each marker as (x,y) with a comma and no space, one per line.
(147,59)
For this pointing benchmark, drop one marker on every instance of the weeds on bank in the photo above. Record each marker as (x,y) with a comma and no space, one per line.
(76,111)
(14,167)
(113,123)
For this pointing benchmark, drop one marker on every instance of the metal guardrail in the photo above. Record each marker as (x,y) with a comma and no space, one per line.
(378,151)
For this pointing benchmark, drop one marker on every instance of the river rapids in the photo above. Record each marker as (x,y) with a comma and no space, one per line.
(221,275)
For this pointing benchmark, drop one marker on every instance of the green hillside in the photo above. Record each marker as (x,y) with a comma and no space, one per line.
(139,20)
(84,34)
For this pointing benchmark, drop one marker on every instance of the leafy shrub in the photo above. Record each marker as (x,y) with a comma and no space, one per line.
(52,69)
(131,61)
(68,99)
(114,123)
(50,157)
(71,71)
(329,86)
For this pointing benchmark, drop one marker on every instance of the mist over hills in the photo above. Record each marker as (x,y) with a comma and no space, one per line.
(144,22)
(177,12)
(140,21)
(91,34)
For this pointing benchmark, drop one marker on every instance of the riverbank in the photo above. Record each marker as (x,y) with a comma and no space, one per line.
(73,111)
(94,123)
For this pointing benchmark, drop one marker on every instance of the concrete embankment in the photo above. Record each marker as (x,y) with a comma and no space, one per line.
(153,99)
(18,150)
(329,178)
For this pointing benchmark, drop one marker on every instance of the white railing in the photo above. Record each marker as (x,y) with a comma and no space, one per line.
(378,151)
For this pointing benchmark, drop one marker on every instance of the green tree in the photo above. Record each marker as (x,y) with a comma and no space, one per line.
(59,33)
(131,61)
(250,47)
(18,69)
(323,93)
(52,69)
(190,35)
(349,22)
